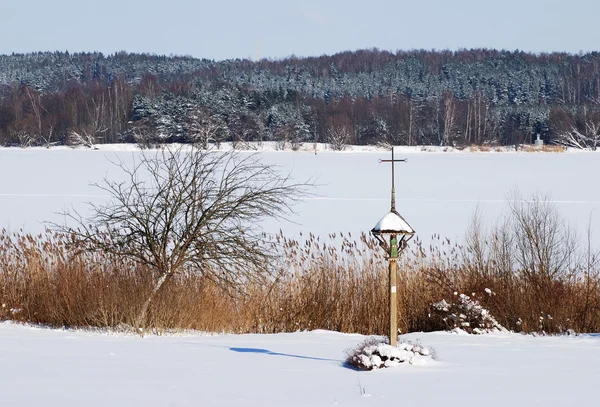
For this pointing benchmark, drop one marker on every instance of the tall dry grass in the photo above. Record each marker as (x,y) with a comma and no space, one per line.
(339,283)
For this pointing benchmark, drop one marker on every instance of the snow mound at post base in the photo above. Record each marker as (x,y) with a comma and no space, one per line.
(377,354)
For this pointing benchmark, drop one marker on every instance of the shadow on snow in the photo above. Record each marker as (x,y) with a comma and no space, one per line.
(268,352)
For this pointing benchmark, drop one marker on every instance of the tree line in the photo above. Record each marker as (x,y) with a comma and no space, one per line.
(480,96)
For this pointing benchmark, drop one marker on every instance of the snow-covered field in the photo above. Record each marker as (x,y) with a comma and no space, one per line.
(437,192)
(42,367)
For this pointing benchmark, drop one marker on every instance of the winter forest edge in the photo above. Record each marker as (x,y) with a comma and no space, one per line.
(469,97)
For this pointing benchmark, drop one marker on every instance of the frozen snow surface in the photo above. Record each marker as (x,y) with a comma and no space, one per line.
(437,192)
(42,367)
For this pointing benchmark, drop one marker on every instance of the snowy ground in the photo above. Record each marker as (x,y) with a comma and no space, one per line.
(437,191)
(42,367)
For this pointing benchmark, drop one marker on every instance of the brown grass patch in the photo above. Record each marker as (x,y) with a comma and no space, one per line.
(546,148)
(482,148)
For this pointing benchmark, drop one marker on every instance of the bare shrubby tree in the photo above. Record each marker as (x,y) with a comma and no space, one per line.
(338,138)
(476,253)
(82,137)
(501,250)
(488,249)
(88,135)
(533,257)
(142,139)
(189,210)
(589,139)
(239,143)
(47,138)
(533,240)
(37,107)
(25,138)
(146,134)
(287,136)
(209,133)
(578,130)
(96,129)
(203,130)
(545,245)
(449,117)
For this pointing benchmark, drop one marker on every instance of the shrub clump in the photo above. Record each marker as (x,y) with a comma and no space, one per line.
(377,354)
(464,313)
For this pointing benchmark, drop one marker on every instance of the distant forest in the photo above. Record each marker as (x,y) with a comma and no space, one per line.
(480,97)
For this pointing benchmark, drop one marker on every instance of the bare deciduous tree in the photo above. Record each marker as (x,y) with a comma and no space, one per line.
(449,116)
(578,130)
(545,244)
(96,129)
(25,138)
(204,130)
(190,210)
(83,137)
(338,138)
(589,139)
(476,252)
(35,99)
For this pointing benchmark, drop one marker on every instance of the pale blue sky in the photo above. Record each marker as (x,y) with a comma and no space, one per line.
(222,29)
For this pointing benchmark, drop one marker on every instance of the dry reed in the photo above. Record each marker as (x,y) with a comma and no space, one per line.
(339,284)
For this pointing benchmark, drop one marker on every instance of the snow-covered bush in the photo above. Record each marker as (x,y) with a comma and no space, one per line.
(375,353)
(466,314)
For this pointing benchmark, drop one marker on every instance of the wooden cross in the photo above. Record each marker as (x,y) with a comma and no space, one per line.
(393,188)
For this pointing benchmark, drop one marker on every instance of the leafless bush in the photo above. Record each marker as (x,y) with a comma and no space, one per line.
(145,140)
(204,130)
(296,144)
(25,139)
(533,263)
(281,145)
(82,137)
(545,244)
(338,138)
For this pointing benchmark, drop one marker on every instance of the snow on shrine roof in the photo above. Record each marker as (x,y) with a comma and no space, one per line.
(393,223)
